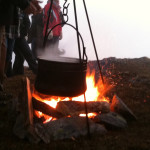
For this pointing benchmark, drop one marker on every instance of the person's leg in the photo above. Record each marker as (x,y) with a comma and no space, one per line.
(27,54)
(56,41)
(52,45)
(2,54)
(8,66)
(18,66)
(39,43)
(57,51)
(34,47)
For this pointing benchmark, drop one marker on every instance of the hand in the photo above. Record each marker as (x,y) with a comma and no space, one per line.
(36,4)
(50,36)
(33,8)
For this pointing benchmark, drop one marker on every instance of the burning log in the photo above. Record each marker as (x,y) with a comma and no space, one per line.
(46,109)
(77,107)
(121,108)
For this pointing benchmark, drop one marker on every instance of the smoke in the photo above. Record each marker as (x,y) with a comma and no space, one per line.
(120,29)
(53,53)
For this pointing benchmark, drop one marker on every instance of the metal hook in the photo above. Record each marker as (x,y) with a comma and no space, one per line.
(65,4)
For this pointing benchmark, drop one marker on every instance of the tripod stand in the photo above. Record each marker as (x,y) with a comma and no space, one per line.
(65,13)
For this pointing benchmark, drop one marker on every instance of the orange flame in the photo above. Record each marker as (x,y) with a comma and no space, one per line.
(95,91)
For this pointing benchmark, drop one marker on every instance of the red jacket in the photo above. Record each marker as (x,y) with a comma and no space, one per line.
(54,19)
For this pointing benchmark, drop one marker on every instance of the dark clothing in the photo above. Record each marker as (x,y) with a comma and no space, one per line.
(22,49)
(10,46)
(36,26)
(36,47)
(8,11)
(18,67)
(8,16)
(8,64)
(24,25)
(10,40)
(23,52)
(12,31)
(35,36)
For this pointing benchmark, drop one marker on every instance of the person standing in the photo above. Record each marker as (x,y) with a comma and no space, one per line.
(22,50)
(12,32)
(55,35)
(7,13)
(35,34)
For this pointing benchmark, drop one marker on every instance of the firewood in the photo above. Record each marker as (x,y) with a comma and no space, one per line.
(121,108)
(111,120)
(46,109)
(24,103)
(70,127)
(42,133)
(23,128)
(77,107)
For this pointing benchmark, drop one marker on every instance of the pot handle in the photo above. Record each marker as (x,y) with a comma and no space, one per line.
(84,51)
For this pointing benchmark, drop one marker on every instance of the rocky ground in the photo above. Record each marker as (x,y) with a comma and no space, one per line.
(129,79)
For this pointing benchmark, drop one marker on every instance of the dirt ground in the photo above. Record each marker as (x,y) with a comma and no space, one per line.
(130,80)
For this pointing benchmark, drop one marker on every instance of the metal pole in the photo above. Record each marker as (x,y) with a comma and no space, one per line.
(87,119)
(76,21)
(93,41)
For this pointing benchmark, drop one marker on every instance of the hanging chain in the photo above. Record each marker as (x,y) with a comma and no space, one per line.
(65,12)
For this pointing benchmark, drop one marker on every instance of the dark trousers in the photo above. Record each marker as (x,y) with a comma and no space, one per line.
(8,63)
(23,52)
(10,46)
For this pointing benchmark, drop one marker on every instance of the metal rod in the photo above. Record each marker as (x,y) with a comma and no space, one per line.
(93,41)
(76,21)
(49,13)
(87,119)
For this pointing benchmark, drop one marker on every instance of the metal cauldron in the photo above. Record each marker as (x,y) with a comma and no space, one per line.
(65,77)
(62,76)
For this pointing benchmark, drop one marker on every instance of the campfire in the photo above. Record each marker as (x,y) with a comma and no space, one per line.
(71,106)
(48,117)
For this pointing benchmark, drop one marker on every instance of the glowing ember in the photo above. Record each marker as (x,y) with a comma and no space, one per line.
(90,115)
(46,117)
(52,103)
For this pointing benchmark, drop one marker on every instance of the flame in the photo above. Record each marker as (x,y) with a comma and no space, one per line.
(46,117)
(94,92)
(91,92)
